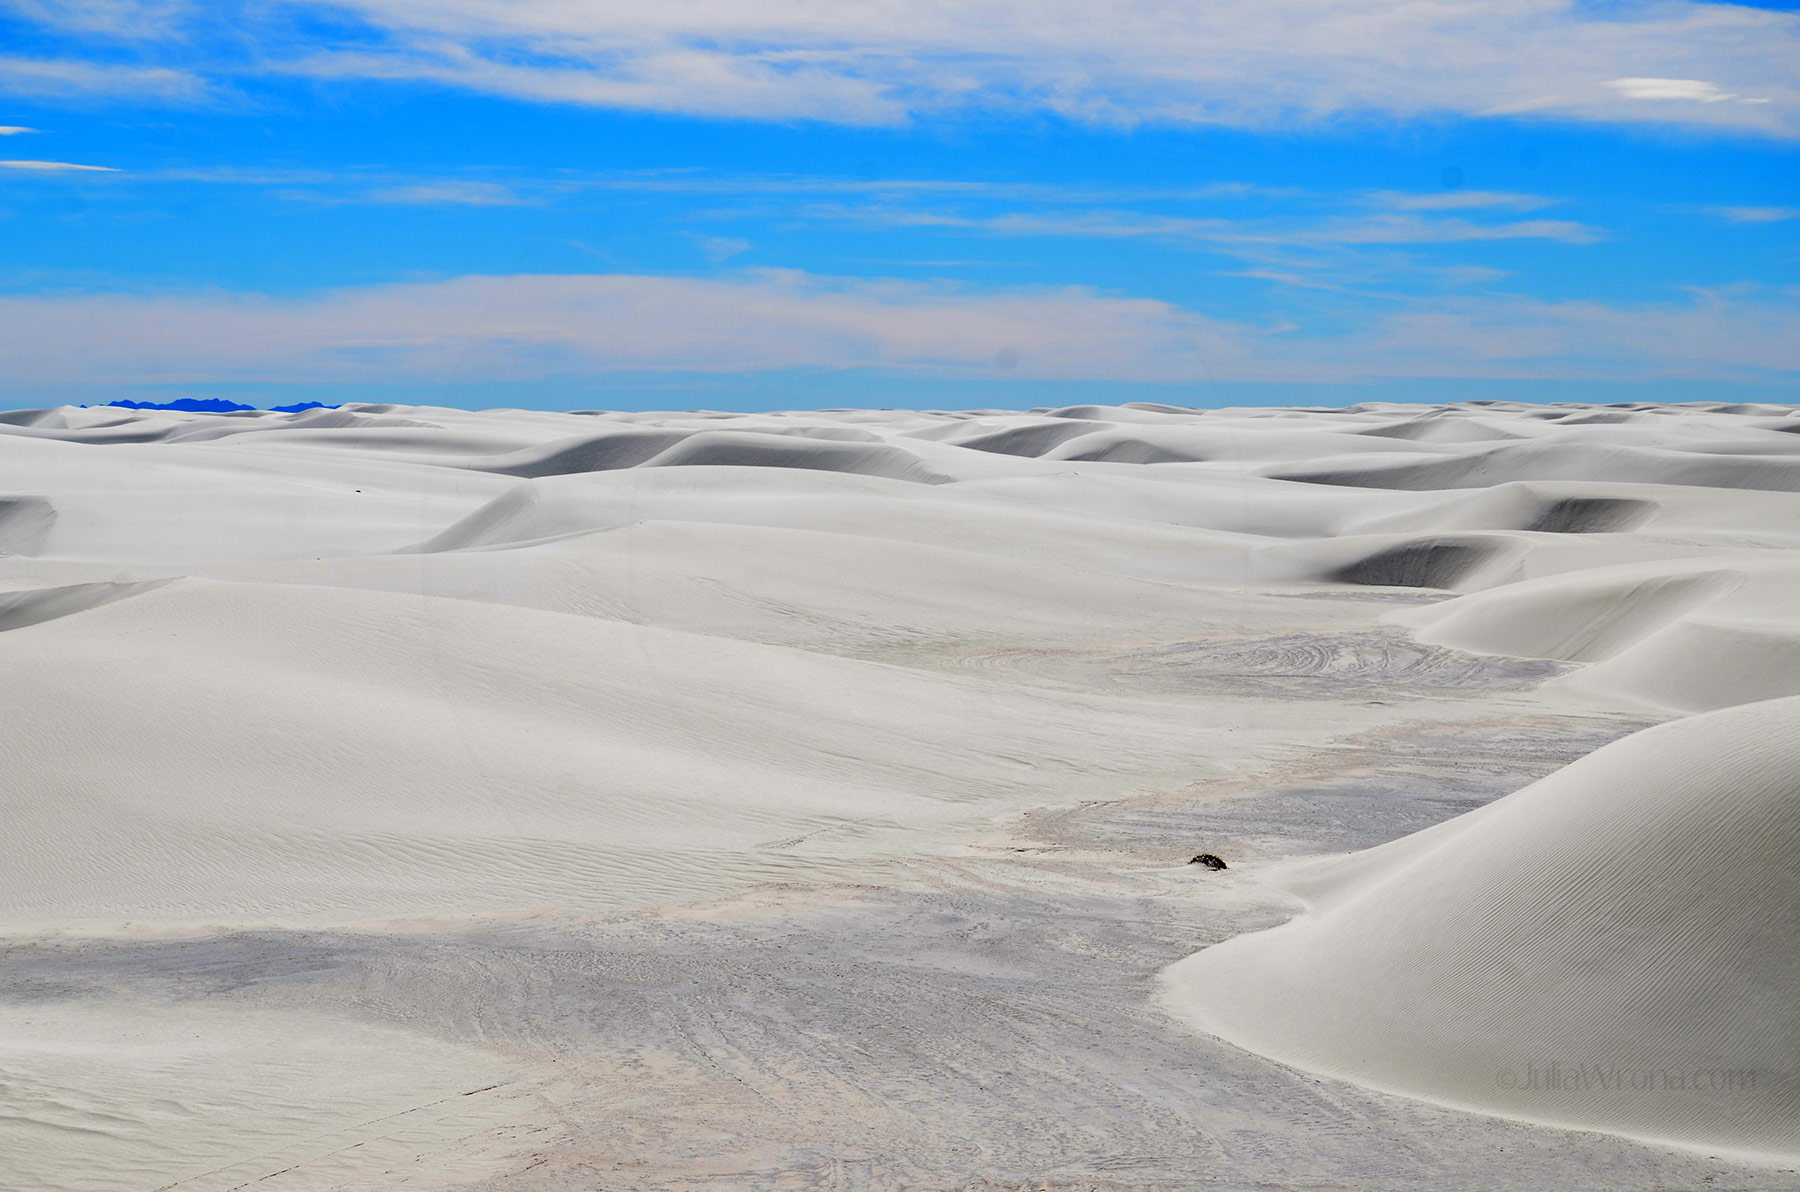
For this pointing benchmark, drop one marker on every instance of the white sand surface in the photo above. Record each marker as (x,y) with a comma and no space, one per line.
(801,799)
(1611,947)
(114,1098)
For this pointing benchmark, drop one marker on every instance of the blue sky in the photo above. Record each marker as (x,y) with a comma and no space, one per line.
(556,203)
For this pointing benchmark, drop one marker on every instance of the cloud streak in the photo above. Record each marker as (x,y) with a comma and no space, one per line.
(1756,215)
(1719,333)
(1677,90)
(522,328)
(1460,200)
(450,193)
(75,79)
(1397,228)
(1251,63)
(55,167)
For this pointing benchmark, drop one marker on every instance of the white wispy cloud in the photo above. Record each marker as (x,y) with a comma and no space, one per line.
(1108,224)
(55,167)
(1326,242)
(1460,200)
(523,327)
(719,249)
(54,79)
(449,193)
(1678,90)
(354,184)
(153,19)
(533,325)
(1715,332)
(1254,63)
(13,130)
(1755,215)
(1399,228)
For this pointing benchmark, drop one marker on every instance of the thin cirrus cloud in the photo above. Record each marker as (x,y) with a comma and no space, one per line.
(454,193)
(1253,63)
(1356,251)
(1112,224)
(1461,200)
(1411,229)
(1380,217)
(1756,215)
(521,326)
(76,79)
(55,167)
(348,184)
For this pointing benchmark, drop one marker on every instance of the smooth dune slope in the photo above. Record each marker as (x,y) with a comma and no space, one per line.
(202,752)
(1615,947)
(1681,635)
(102,1097)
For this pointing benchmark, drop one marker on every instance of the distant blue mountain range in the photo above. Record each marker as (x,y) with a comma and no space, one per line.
(215,405)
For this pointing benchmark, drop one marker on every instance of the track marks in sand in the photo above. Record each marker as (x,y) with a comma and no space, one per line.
(1322,666)
(986,1025)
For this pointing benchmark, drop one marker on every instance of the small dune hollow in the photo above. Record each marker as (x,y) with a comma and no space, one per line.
(1591,515)
(1430,563)
(25,524)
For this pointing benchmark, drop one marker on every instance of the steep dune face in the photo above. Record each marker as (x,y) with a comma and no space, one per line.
(1615,947)
(35,605)
(626,447)
(1032,439)
(25,524)
(1425,563)
(1589,515)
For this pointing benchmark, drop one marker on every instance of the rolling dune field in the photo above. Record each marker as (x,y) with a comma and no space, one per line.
(411,798)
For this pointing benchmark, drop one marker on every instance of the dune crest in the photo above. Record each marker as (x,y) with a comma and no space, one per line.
(1614,947)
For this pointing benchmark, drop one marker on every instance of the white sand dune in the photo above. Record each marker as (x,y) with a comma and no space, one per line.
(1684,635)
(1755,466)
(211,753)
(831,591)
(393,669)
(181,504)
(1614,947)
(616,661)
